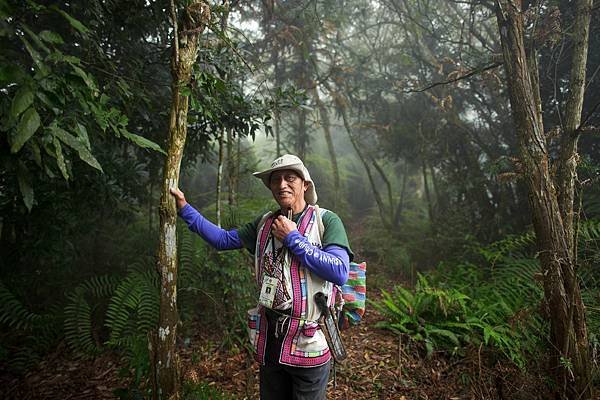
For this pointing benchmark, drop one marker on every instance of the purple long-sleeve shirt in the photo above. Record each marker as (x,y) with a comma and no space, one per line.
(330,263)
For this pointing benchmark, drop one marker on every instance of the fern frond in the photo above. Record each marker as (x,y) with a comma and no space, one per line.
(79,325)
(133,308)
(14,314)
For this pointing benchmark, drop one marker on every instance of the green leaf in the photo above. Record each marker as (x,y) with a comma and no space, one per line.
(37,154)
(75,23)
(35,56)
(428,348)
(24,179)
(77,145)
(445,333)
(22,100)
(49,172)
(35,38)
(86,78)
(60,159)
(10,74)
(83,135)
(142,141)
(49,102)
(185,91)
(51,37)
(29,123)
(5,10)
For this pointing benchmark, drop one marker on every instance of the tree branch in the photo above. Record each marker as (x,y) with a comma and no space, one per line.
(469,74)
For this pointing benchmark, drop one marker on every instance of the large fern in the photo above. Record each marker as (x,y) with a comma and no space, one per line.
(32,334)
(84,314)
(589,260)
(134,305)
(436,317)
(14,314)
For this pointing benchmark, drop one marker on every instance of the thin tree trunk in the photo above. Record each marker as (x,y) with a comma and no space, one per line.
(567,169)
(427,194)
(388,186)
(185,47)
(439,202)
(277,133)
(572,364)
(232,160)
(304,82)
(276,113)
(400,207)
(220,161)
(302,135)
(238,160)
(326,124)
(150,195)
(363,159)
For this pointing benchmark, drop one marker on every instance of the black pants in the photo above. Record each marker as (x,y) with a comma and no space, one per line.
(282,382)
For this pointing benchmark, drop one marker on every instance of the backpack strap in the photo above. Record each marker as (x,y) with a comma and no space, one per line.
(320,222)
(261,237)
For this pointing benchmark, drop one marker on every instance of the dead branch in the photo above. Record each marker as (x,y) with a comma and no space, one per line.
(467,75)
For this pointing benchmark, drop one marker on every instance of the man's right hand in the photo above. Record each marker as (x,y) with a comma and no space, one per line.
(179,197)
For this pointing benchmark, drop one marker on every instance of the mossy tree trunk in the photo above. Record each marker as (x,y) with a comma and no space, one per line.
(551,196)
(185,48)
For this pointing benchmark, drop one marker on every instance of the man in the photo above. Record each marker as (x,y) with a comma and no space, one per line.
(299,251)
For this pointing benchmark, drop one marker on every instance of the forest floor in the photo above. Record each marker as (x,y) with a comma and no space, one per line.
(380,366)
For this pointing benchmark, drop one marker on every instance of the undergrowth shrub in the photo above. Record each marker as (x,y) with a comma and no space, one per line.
(202,391)
(433,316)
(498,302)
(465,304)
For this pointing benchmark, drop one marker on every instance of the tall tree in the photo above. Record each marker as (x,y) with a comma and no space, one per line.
(187,30)
(552,196)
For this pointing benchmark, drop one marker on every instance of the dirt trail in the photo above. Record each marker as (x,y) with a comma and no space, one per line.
(378,367)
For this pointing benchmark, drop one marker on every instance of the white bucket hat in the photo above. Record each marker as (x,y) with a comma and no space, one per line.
(288,161)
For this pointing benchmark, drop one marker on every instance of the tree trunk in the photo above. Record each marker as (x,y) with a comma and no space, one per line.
(223,75)
(220,174)
(388,186)
(277,119)
(232,175)
(185,48)
(380,206)
(302,138)
(400,206)
(427,194)
(567,171)
(550,207)
(276,113)
(326,124)
(304,82)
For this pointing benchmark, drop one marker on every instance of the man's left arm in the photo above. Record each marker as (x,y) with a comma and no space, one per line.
(330,263)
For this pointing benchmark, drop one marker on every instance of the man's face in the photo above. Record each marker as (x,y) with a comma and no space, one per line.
(288,189)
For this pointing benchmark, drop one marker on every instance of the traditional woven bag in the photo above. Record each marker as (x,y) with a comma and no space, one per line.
(350,298)
(353,295)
